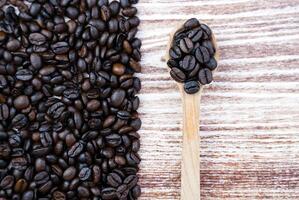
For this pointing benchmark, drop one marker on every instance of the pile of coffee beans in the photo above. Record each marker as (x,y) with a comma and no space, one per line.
(68,104)
(192,56)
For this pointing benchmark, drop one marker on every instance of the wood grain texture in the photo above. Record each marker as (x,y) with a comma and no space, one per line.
(249,115)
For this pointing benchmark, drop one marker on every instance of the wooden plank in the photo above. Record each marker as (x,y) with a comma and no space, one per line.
(249,115)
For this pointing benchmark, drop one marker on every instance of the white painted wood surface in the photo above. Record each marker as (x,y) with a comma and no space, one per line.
(249,115)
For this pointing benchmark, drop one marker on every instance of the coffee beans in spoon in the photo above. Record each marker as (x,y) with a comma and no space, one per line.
(192,56)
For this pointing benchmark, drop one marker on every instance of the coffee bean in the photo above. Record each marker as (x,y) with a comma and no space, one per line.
(24,75)
(21,102)
(13,45)
(108,193)
(117,97)
(202,54)
(212,64)
(7,182)
(75,150)
(20,186)
(186,45)
(37,39)
(205,76)
(28,195)
(93,105)
(191,87)
(175,52)
(188,63)
(36,61)
(84,174)
(191,23)
(69,173)
(177,75)
(118,69)
(195,34)
(60,47)
(207,33)
(4,112)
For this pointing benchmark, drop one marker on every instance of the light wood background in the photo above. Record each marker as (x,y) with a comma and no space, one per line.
(249,115)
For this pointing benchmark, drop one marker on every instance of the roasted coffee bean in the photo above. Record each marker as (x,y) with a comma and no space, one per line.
(175,52)
(36,61)
(84,173)
(4,112)
(69,173)
(24,75)
(37,38)
(212,64)
(195,34)
(207,33)
(205,76)
(177,74)
(21,102)
(108,193)
(117,97)
(76,149)
(191,23)
(202,54)
(186,45)
(191,87)
(13,45)
(188,63)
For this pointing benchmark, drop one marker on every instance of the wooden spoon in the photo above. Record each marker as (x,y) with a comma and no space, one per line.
(190,167)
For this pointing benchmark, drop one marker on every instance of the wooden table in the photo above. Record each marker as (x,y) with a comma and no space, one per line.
(249,114)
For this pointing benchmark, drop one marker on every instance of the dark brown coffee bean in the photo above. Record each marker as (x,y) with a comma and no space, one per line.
(21,102)
(13,45)
(37,39)
(36,61)
(84,174)
(75,150)
(188,63)
(191,87)
(207,33)
(177,75)
(108,193)
(191,23)
(4,112)
(69,173)
(28,195)
(60,47)
(117,97)
(202,54)
(24,75)
(129,12)
(186,45)
(113,140)
(72,12)
(7,182)
(93,105)
(195,34)
(35,9)
(205,76)
(175,52)
(124,3)
(212,64)
(209,45)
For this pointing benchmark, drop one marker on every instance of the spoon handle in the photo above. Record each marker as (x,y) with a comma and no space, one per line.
(190,169)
